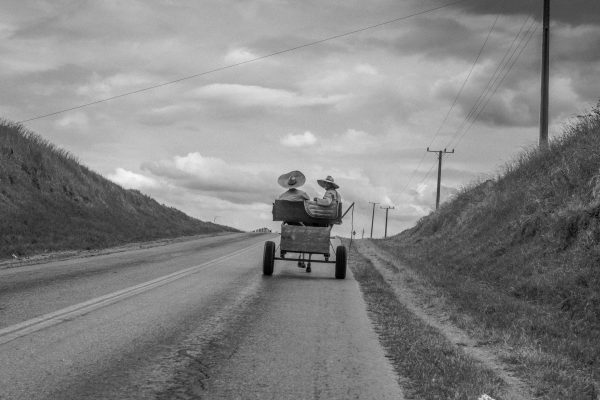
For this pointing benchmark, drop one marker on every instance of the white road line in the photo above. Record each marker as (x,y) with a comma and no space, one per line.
(44,321)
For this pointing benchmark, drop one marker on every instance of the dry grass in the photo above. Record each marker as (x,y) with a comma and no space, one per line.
(50,202)
(519,256)
(433,368)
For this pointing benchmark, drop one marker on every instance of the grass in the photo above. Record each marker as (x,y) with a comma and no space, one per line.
(518,255)
(50,202)
(433,367)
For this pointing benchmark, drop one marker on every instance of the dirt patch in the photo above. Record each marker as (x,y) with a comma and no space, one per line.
(429,306)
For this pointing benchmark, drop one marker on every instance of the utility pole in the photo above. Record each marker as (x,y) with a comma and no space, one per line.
(545,77)
(363,234)
(439,180)
(388,208)
(372,217)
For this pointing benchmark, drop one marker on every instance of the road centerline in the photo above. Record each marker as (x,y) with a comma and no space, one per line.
(68,313)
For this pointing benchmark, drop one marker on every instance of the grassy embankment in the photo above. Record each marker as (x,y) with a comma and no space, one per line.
(518,257)
(50,202)
(432,367)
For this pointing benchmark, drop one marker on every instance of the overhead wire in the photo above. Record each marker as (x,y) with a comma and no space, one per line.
(229,66)
(531,32)
(494,79)
(462,87)
(479,53)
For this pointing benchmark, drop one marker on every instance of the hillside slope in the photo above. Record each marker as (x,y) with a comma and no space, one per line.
(519,257)
(49,201)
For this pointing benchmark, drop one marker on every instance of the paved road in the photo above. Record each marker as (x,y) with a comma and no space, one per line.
(194,319)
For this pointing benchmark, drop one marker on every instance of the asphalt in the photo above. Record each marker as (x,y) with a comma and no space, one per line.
(189,320)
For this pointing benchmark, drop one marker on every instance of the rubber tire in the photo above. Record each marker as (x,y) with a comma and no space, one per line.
(269,258)
(340,262)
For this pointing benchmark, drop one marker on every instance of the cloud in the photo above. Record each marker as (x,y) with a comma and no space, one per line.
(366,69)
(258,96)
(299,140)
(571,11)
(239,55)
(236,183)
(132,180)
(75,120)
(350,142)
(99,86)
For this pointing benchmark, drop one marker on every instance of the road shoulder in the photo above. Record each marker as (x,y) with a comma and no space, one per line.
(475,368)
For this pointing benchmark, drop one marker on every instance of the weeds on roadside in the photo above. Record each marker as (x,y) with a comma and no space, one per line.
(519,254)
(432,367)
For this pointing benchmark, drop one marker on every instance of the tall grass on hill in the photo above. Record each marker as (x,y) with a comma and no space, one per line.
(49,201)
(520,255)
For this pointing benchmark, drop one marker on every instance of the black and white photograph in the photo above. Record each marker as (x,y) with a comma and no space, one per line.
(320,200)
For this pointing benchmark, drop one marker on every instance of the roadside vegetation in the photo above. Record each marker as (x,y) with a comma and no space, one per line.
(50,202)
(519,258)
(431,367)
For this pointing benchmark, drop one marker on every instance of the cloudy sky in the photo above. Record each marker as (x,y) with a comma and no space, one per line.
(361,107)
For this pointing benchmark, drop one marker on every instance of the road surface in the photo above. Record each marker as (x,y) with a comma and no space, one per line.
(187,320)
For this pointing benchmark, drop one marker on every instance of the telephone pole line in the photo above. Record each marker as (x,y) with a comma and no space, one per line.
(388,208)
(372,217)
(545,77)
(439,180)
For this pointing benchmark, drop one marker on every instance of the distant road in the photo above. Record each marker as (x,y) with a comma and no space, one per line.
(193,319)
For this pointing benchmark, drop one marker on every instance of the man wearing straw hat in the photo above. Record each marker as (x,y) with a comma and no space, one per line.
(331,195)
(292,181)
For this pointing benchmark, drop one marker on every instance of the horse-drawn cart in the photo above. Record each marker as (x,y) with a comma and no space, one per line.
(305,232)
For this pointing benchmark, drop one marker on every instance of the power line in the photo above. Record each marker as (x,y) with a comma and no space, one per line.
(212,71)
(454,102)
(426,176)
(500,69)
(466,79)
(499,79)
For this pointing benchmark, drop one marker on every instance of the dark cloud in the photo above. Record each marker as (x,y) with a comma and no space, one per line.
(573,12)
(438,38)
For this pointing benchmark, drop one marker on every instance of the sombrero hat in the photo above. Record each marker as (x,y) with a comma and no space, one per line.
(292,179)
(324,183)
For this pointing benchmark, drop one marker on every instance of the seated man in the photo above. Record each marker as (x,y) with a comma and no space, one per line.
(292,181)
(331,195)
(331,198)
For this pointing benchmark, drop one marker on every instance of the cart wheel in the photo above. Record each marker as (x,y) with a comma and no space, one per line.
(340,262)
(269,258)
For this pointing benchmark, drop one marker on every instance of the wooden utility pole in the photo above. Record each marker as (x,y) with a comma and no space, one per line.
(372,217)
(439,180)
(388,208)
(545,77)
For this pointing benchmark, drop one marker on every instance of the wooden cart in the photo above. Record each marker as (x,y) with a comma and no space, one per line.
(305,232)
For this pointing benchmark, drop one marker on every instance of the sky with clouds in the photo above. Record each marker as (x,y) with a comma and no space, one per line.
(362,108)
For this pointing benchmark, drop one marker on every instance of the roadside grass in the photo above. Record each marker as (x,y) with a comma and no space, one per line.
(51,202)
(536,340)
(430,366)
(519,256)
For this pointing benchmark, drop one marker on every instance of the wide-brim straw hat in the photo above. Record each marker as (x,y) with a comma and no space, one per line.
(325,183)
(292,179)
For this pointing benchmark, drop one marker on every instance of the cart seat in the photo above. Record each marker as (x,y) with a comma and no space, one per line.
(307,212)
